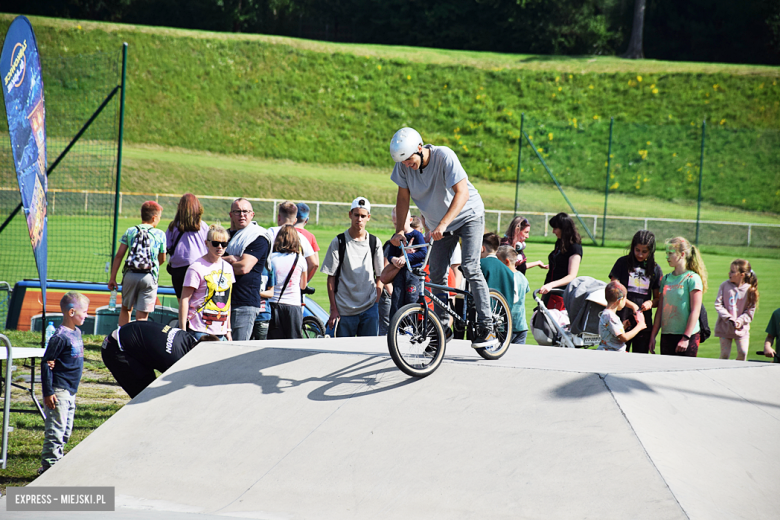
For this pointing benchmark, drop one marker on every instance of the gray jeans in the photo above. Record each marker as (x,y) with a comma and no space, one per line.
(470,234)
(242,320)
(58,427)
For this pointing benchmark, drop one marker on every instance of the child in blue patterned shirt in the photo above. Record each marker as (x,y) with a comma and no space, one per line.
(61,368)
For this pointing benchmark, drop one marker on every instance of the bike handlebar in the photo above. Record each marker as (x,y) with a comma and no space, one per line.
(429,244)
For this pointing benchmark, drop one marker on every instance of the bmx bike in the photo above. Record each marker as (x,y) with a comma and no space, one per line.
(416,337)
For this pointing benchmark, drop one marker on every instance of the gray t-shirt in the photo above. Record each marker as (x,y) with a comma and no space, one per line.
(357,283)
(432,190)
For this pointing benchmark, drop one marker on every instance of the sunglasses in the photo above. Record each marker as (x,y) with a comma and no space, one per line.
(217,243)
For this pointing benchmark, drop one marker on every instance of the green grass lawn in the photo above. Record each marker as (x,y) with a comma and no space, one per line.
(154,169)
(312,102)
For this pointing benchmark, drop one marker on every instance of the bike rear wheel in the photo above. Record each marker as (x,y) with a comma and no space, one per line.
(416,342)
(502,326)
(313,327)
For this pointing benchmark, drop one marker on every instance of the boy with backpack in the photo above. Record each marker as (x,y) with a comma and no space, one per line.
(146,246)
(353,264)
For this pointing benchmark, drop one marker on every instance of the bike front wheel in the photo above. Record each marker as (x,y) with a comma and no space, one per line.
(313,327)
(416,340)
(502,326)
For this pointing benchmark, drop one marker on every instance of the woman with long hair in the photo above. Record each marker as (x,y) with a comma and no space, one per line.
(289,272)
(680,302)
(516,235)
(564,260)
(641,275)
(186,239)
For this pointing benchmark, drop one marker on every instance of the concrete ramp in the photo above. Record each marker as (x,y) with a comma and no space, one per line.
(330,429)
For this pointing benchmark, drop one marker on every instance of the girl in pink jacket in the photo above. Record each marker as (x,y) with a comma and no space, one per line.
(736,303)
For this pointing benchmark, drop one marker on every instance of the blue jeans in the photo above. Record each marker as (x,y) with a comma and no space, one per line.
(384,313)
(364,324)
(471,235)
(407,288)
(59,425)
(242,321)
(518,338)
(260,330)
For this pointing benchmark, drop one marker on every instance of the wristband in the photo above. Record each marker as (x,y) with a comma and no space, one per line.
(686,337)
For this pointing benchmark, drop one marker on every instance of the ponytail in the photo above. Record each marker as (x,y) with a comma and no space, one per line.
(696,264)
(743,266)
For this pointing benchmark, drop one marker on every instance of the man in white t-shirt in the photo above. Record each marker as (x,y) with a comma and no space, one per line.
(433,177)
(287,215)
(353,280)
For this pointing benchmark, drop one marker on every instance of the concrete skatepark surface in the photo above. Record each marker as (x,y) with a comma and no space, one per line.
(331,429)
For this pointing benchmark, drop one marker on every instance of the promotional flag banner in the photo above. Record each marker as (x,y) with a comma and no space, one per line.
(20,72)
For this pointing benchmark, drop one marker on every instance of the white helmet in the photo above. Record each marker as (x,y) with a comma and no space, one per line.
(404,144)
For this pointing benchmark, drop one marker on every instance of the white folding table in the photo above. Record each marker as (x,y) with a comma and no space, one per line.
(8,354)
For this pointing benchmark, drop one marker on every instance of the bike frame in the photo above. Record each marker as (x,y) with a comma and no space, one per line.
(420,274)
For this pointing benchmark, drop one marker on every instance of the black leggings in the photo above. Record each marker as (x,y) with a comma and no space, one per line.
(177,279)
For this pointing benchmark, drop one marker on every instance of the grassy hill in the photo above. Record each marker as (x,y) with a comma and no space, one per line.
(313,102)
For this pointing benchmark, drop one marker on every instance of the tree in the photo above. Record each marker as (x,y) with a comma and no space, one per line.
(635,48)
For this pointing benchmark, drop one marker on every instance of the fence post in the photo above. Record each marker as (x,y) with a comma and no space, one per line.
(317,218)
(546,223)
(595,227)
(498,222)
(86,202)
(645,223)
(606,182)
(701,173)
(519,153)
(53,199)
(750,232)
(119,151)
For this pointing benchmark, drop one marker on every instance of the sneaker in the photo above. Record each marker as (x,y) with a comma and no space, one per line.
(486,338)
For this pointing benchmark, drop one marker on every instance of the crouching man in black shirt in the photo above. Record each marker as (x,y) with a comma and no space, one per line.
(133,352)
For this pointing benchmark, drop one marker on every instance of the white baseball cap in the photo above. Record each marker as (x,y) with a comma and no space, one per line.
(361,202)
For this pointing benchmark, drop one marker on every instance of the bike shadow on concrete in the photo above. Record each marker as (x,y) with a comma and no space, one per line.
(365,376)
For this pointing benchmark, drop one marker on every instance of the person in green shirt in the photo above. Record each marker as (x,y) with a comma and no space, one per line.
(772,331)
(680,302)
(508,255)
(497,275)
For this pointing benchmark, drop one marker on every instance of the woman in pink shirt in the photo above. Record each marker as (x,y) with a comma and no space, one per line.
(205,298)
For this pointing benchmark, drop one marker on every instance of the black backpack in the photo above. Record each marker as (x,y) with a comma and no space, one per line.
(372,244)
(704,325)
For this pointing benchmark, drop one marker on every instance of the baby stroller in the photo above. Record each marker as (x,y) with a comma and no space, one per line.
(576,327)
